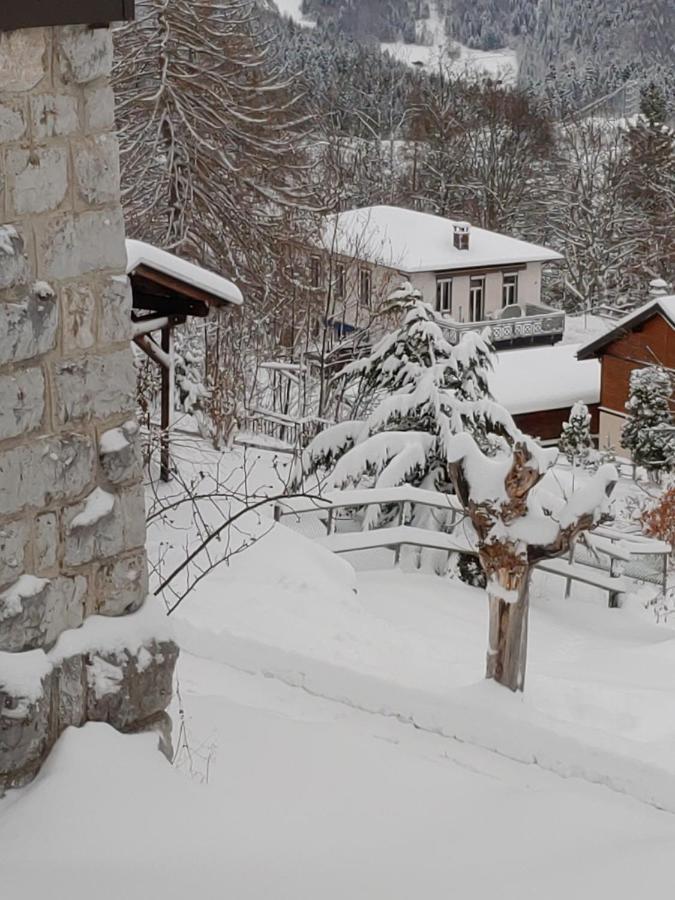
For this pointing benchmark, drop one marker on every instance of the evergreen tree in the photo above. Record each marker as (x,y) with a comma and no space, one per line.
(648,432)
(409,397)
(576,441)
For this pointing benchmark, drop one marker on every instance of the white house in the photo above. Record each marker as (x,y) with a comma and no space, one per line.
(470,275)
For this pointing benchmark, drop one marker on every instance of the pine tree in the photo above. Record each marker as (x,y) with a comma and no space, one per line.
(648,432)
(408,398)
(576,441)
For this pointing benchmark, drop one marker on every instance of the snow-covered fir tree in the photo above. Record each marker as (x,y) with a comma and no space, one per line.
(406,396)
(648,432)
(576,442)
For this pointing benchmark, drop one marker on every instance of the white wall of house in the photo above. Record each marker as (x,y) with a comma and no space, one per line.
(352,310)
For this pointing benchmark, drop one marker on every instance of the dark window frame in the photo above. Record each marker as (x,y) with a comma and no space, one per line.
(477,285)
(444,295)
(315,272)
(509,286)
(38,13)
(340,281)
(365,281)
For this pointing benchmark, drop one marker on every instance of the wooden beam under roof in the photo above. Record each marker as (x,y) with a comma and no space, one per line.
(41,13)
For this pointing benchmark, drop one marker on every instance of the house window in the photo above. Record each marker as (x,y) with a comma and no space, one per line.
(340,281)
(444,295)
(476,299)
(510,289)
(365,286)
(315,271)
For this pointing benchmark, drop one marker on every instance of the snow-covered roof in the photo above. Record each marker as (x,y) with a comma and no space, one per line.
(541,378)
(141,254)
(664,305)
(413,241)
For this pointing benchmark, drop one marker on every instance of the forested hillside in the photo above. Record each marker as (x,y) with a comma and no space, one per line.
(572,51)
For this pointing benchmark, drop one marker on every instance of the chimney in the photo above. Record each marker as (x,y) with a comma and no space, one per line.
(460,233)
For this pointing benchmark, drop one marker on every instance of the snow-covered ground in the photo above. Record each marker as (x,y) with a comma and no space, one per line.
(306,798)
(299,773)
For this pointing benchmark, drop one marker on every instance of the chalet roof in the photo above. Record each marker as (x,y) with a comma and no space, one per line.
(142,256)
(664,306)
(412,241)
(535,379)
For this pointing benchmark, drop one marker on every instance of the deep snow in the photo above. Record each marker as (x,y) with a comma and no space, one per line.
(309,799)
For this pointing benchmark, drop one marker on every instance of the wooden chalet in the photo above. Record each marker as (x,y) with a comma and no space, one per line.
(645,337)
(167,290)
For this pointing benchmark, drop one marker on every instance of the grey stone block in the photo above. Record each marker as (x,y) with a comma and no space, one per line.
(38,618)
(115,311)
(84,54)
(79,316)
(37,179)
(26,729)
(28,327)
(48,470)
(46,542)
(13,539)
(12,259)
(95,386)
(96,167)
(69,246)
(120,454)
(71,678)
(22,402)
(126,690)
(23,58)
(12,120)
(101,240)
(101,538)
(99,108)
(132,501)
(122,585)
(54,115)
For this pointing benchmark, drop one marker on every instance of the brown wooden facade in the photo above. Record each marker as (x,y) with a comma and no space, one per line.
(646,339)
(547,424)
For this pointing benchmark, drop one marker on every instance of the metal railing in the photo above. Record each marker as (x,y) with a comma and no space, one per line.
(537,324)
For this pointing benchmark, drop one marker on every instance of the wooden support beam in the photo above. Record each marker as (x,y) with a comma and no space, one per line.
(166,404)
(156,354)
(169,306)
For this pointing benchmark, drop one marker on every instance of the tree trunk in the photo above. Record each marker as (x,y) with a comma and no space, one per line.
(507,648)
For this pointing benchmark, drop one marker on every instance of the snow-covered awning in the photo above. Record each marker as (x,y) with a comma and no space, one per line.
(543,378)
(220,289)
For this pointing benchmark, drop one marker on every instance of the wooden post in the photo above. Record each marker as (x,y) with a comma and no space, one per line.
(568,581)
(330,524)
(167,405)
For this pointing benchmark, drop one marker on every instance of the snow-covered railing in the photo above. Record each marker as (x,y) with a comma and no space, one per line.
(539,325)
(297,432)
(605,558)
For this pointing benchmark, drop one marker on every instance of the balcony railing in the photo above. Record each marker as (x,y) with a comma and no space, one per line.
(534,324)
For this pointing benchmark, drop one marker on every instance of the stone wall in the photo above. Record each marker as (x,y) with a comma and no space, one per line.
(72,519)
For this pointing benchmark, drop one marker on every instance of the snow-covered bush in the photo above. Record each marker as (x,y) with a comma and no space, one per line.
(648,432)
(576,442)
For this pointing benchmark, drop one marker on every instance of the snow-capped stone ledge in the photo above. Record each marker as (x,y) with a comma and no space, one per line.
(114,670)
